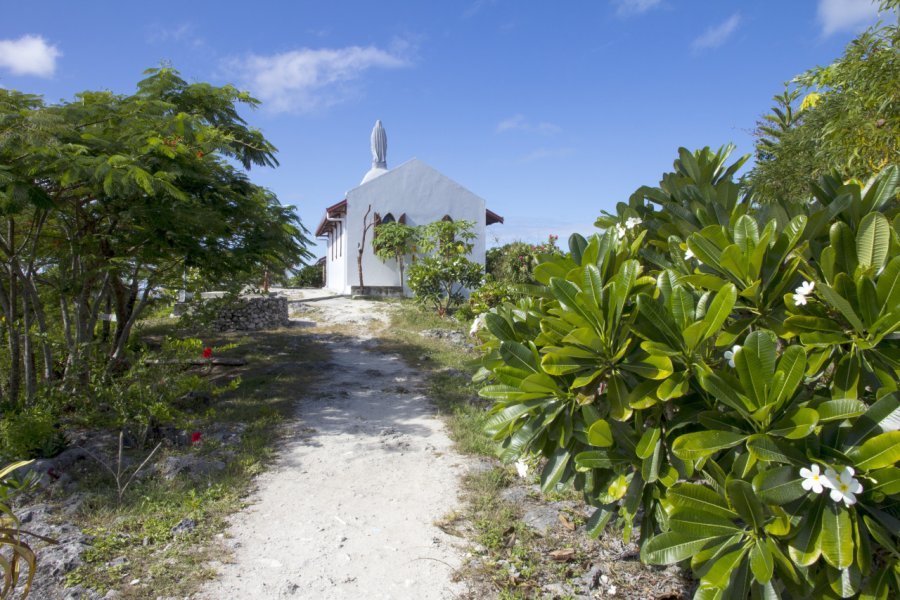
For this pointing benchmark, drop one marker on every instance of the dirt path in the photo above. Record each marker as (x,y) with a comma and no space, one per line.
(347,511)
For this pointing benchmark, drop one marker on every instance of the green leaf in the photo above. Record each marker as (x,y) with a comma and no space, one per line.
(793,364)
(719,310)
(744,501)
(618,396)
(746,233)
(761,561)
(796,425)
(755,364)
(846,379)
(838,410)
(884,415)
(600,435)
(519,356)
(888,286)
(671,547)
(805,548)
(695,523)
(650,367)
(598,521)
(699,497)
(765,447)
(499,327)
(554,469)
(720,573)
(647,442)
(599,459)
(837,536)
(881,451)
(873,238)
(692,446)
(841,304)
(779,485)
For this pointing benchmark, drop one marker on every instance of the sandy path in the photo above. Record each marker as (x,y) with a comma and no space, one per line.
(347,511)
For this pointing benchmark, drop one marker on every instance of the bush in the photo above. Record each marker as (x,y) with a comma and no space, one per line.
(441,277)
(721,378)
(32,433)
(308,276)
(514,262)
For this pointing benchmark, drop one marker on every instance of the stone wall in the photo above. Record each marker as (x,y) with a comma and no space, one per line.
(252,313)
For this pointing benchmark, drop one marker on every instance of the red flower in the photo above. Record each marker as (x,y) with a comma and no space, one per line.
(199,154)
(195,437)
(207,352)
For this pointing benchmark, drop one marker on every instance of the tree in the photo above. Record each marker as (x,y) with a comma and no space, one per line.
(395,241)
(843,118)
(108,198)
(441,276)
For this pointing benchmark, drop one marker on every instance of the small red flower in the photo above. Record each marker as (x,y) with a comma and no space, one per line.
(199,153)
(195,437)
(207,352)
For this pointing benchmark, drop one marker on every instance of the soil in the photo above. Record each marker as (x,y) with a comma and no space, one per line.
(348,510)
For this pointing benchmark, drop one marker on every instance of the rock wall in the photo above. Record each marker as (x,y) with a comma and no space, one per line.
(252,314)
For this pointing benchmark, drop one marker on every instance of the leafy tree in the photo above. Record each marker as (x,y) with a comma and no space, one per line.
(441,276)
(844,117)
(514,262)
(729,372)
(395,241)
(108,198)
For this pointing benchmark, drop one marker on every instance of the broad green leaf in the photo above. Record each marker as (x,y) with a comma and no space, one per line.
(768,448)
(499,327)
(600,434)
(793,364)
(838,410)
(554,469)
(746,234)
(519,356)
(721,571)
(599,459)
(887,481)
(873,240)
(670,547)
(567,359)
(692,446)
(699,497)
(841,304)
(884,415)
(796,425)
(647,442)
(744,501)
(650,367)
(846,379)
(598,521)
(655,323)
(888,286)
(761,561)
(805,548)
(719,310)
(881,451)
(779,485)
(701,524)
(837,536)
(755,364)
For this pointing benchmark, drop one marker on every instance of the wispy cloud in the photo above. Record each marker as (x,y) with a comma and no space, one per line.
(717,35)
(309,79)
(846,15)
(181,33)
(627,8)
(542,153)
(29,55)
(520,123)
(475,7)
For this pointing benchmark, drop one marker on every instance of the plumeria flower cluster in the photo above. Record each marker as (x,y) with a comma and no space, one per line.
(801,293)
(842,487)
(689,255)
(630,223)
(522,468)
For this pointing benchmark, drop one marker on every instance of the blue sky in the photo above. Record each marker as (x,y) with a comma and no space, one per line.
(551,111)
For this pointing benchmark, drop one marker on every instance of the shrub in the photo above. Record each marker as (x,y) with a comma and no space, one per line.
(31,433)
(441,277)
(308,276)
(514,262)
(721,378)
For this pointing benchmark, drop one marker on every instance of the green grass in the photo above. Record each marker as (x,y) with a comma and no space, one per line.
(140,529)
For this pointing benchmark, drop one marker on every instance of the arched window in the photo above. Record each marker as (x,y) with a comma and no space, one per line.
(388,218)
(447,218)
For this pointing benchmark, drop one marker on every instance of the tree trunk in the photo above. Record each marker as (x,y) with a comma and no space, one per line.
(28,355)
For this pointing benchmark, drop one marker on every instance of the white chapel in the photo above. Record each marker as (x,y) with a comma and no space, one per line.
(412,193)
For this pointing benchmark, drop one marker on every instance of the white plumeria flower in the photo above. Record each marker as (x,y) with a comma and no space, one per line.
(844,487)
(612,590)
(689,254)
(620,231)
(632,222)
(729,355)
(814,479)
(806,288)
(477,324)
(604,579)
(800,299)
(522,468)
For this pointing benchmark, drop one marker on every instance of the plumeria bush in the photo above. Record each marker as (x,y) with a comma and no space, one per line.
(720,378)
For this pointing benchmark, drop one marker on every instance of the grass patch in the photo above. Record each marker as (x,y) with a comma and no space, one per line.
(134,549)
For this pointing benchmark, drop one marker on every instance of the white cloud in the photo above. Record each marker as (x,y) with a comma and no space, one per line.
(626,8)
(717,35)
(542,153)
(29,55)
(535,230)
(846,15)
(307,79)
(520,123)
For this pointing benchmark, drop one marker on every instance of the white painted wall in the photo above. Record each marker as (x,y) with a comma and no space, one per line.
(336,260)
(414,188)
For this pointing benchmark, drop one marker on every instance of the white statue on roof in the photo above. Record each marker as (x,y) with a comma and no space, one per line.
(379,153)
